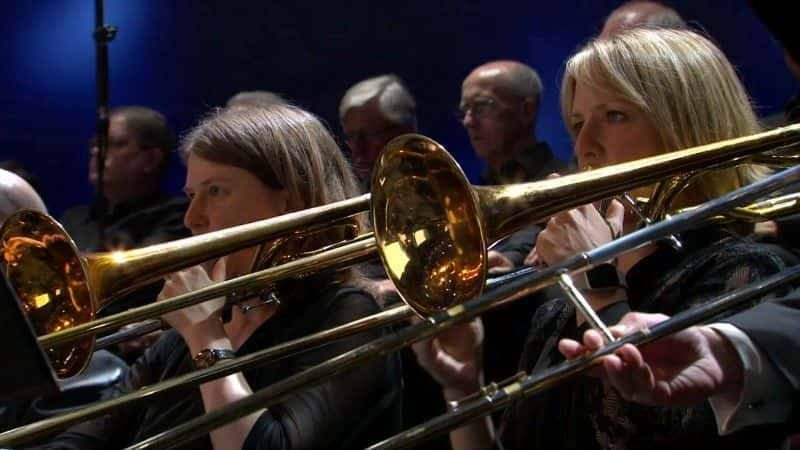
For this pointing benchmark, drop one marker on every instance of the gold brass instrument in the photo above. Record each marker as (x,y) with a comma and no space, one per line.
(496,396)
(60,290)
(769,209)
(431,229)
(761,211)
(525,284)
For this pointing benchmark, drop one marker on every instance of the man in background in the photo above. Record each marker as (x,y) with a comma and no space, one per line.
(372,112)
(634,14)
(499,107)
(258,99)
(134,211)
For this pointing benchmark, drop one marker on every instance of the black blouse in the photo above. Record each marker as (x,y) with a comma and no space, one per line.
(350,410)
(583,412)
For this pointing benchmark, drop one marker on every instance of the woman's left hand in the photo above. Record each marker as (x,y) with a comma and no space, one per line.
(680,370)
(575,231)
(195,319)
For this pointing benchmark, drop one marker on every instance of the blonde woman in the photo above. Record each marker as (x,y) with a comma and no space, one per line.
(637,94)
(243,165)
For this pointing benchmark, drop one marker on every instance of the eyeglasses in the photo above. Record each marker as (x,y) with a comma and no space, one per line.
(477,108)
(363,135)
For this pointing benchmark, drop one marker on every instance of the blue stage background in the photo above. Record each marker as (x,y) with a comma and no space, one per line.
(183,57)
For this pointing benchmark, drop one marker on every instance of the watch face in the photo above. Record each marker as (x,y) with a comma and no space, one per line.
(204,359)
(209,357)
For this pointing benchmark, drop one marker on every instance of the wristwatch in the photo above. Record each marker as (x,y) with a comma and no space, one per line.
(207,357)
(603,276)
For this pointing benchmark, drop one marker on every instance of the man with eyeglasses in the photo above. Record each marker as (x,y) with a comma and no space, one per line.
(373,112)
(499,106)
(134,211)
(137,211)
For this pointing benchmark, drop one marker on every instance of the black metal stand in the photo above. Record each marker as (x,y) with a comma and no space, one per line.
(27,373)
(103,34)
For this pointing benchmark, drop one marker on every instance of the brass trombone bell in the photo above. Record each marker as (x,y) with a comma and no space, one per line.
(432,226)
(431,229)
(274,393)
(59,289)
(419,194)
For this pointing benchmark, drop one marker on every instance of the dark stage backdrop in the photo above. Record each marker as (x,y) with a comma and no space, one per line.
(183,57)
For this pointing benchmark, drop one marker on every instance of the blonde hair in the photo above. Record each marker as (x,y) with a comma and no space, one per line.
(683,83)
(286,148)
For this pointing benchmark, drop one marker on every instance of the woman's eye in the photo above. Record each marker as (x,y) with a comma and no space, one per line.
(576,127)
(615,116)
(214,190)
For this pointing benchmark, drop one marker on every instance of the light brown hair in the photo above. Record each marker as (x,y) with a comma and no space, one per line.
(286,148)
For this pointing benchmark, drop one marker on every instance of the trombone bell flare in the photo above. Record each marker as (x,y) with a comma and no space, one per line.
(61,289)
(41,262)
(432,226)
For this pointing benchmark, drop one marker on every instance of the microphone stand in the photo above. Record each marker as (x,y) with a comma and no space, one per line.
(103,34)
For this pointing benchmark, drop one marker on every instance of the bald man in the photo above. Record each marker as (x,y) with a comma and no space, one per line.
(16,194)
(499,106)
(641,14)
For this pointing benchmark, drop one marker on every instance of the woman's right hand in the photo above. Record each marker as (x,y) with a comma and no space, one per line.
(199,324)
(454,358)
(577,230)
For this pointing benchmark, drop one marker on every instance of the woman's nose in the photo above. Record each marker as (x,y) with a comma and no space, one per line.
(588,147)
(195,218)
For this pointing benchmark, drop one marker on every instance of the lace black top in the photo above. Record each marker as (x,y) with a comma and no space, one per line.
(350,410)
(584,413)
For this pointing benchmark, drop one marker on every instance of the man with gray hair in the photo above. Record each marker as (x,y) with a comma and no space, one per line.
(641,13)
(259,99)
(373,112)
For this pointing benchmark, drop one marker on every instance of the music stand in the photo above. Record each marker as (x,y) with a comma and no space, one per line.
(26,371)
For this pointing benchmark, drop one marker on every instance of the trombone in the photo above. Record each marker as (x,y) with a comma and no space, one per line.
(61,291)
(441,320)
(770,209)
(496,396)
(431,232)
(440,191)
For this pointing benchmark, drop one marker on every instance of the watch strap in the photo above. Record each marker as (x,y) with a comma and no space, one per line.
(603,276)
(210,356)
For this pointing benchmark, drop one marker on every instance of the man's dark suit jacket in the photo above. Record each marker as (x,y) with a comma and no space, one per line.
(774,327)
